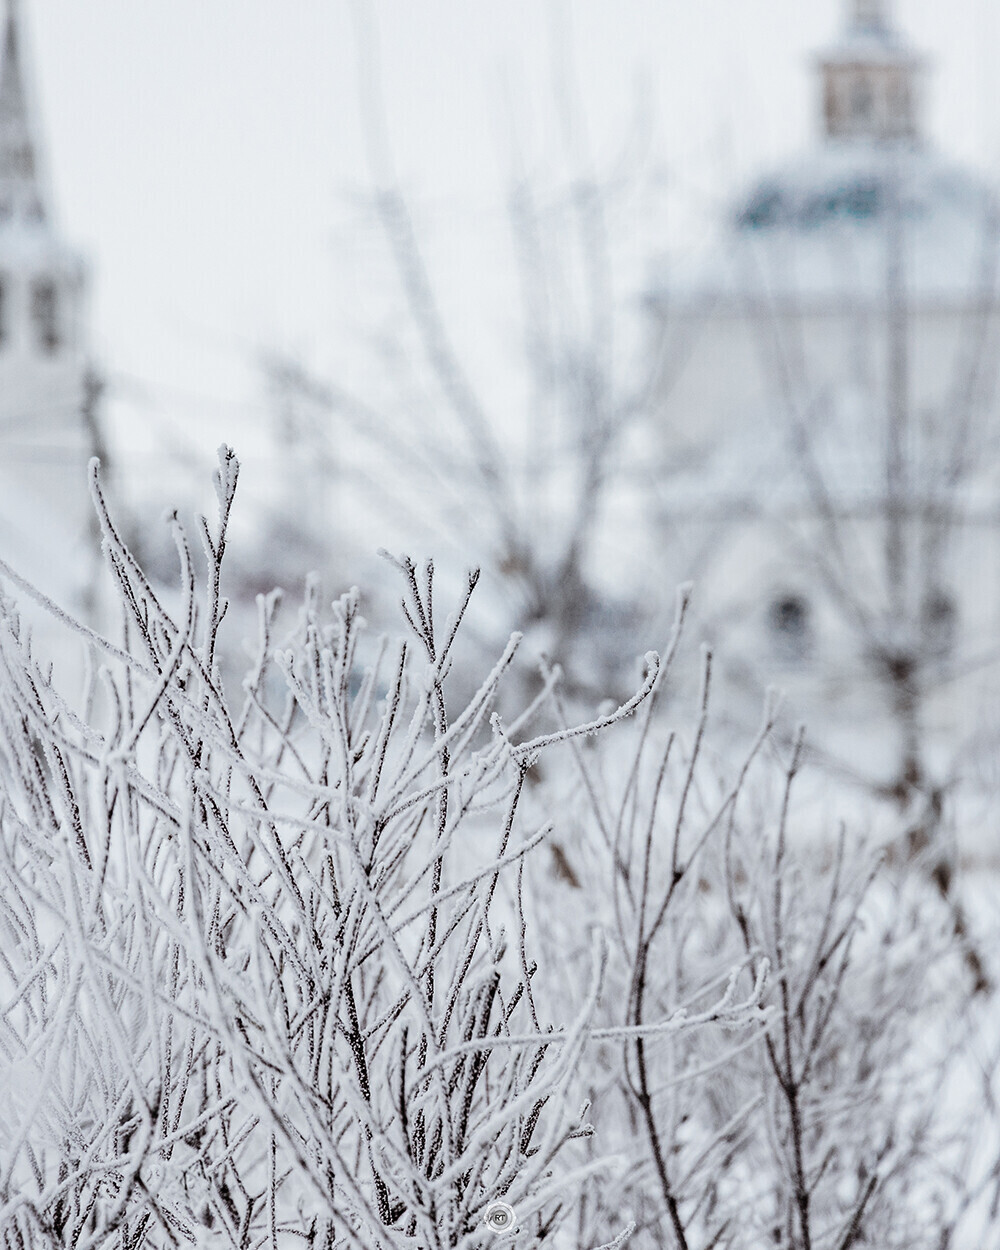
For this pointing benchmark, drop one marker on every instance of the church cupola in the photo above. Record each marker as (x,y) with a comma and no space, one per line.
(871,80)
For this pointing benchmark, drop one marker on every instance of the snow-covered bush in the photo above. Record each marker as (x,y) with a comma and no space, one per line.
(330,963)
(864,1112)
(261,973)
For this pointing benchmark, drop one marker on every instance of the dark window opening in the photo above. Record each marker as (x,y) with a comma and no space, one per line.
(899,93)
(790,625)
(863,199)
(859,200)
(20,161)
(830,106)
(939,619)
(765,208)
(862,101)
(45,315)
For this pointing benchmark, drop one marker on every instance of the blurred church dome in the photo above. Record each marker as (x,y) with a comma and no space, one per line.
(786,325)
(816,226)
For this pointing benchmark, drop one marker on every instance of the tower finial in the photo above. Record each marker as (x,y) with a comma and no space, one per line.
(870,16)
(870,80)
(20,193)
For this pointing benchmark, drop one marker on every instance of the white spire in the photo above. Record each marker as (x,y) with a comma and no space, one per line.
(20,192)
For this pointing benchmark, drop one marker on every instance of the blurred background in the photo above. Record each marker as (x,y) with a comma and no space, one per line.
(601,298)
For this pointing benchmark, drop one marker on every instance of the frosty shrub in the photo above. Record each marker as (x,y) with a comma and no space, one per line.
(264,970)
(331,963)
(863,1112)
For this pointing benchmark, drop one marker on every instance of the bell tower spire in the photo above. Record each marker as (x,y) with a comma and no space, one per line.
(871,80)
(45,439)
(20,192)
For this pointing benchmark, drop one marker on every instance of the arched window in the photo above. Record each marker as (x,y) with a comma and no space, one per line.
(862,99)
(900,105)
(940,619)
(790,626)
(45,315)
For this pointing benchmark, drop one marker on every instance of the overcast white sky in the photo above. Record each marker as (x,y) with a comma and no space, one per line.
(206,154)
